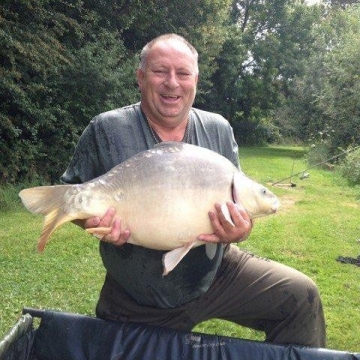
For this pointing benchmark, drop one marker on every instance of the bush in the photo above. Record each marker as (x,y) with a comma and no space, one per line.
(350,166)
(9,198)
(318,154)
(258,130)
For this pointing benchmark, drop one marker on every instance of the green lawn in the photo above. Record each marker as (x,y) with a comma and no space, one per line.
(317,222)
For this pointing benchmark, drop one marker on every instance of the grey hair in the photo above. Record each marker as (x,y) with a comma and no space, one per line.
(145,50)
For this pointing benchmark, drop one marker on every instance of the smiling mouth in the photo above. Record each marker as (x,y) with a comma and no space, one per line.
(170,97)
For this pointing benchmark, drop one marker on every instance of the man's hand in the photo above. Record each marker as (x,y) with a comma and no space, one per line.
(108,228)
(224,230)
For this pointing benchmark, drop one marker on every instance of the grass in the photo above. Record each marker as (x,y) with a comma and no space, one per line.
(318,221)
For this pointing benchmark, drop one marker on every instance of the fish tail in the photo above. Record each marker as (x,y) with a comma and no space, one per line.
(47,201)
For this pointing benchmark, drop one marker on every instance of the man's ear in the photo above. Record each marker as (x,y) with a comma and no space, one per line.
(139,77)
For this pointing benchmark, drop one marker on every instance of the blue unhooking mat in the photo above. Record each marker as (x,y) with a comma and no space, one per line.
(62,336)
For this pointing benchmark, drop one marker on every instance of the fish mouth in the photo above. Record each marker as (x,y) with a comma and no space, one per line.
(275,206)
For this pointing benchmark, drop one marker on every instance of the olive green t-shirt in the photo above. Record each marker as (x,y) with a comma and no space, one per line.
(113,137)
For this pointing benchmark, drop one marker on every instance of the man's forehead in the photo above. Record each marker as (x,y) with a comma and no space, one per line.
(171,45)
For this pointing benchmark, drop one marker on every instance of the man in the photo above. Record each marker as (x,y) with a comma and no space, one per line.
(232,284)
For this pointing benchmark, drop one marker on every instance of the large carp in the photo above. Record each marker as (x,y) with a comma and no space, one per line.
(163,196)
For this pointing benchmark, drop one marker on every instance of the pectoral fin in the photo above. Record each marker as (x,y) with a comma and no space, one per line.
(226,213)
(173,257)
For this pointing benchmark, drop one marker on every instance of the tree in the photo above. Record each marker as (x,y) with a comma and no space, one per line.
(338,99)
(340,3)
(325,96)
(61,63)
(267,46)
(30,53)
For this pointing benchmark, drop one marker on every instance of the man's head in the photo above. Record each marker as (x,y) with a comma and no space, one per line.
(167,78)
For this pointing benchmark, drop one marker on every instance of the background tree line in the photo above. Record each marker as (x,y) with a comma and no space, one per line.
(277,69)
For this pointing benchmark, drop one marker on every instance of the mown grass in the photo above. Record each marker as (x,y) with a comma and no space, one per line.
(318,221)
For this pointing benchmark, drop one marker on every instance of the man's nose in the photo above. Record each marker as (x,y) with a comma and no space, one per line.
(172,80)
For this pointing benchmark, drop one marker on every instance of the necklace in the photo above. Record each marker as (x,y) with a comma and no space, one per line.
(157,138)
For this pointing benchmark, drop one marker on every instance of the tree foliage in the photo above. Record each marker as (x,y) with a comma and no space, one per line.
(324,101)
(30,49)
(338,100)
(267,46)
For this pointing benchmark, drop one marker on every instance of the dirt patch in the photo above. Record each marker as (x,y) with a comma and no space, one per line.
(352,205)
(287,202)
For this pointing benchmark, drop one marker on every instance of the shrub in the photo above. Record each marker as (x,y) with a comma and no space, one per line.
(318,154)
(350,166)
(9,198)
(257,130)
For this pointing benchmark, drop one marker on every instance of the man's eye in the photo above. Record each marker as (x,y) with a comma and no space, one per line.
(160,72)
(183,74)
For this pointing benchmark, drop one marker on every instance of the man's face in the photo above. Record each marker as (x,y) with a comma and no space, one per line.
(168,82)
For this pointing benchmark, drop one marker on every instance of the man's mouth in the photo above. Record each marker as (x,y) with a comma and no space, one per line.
(170,97)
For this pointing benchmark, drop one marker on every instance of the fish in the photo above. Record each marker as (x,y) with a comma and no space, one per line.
(162,195)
